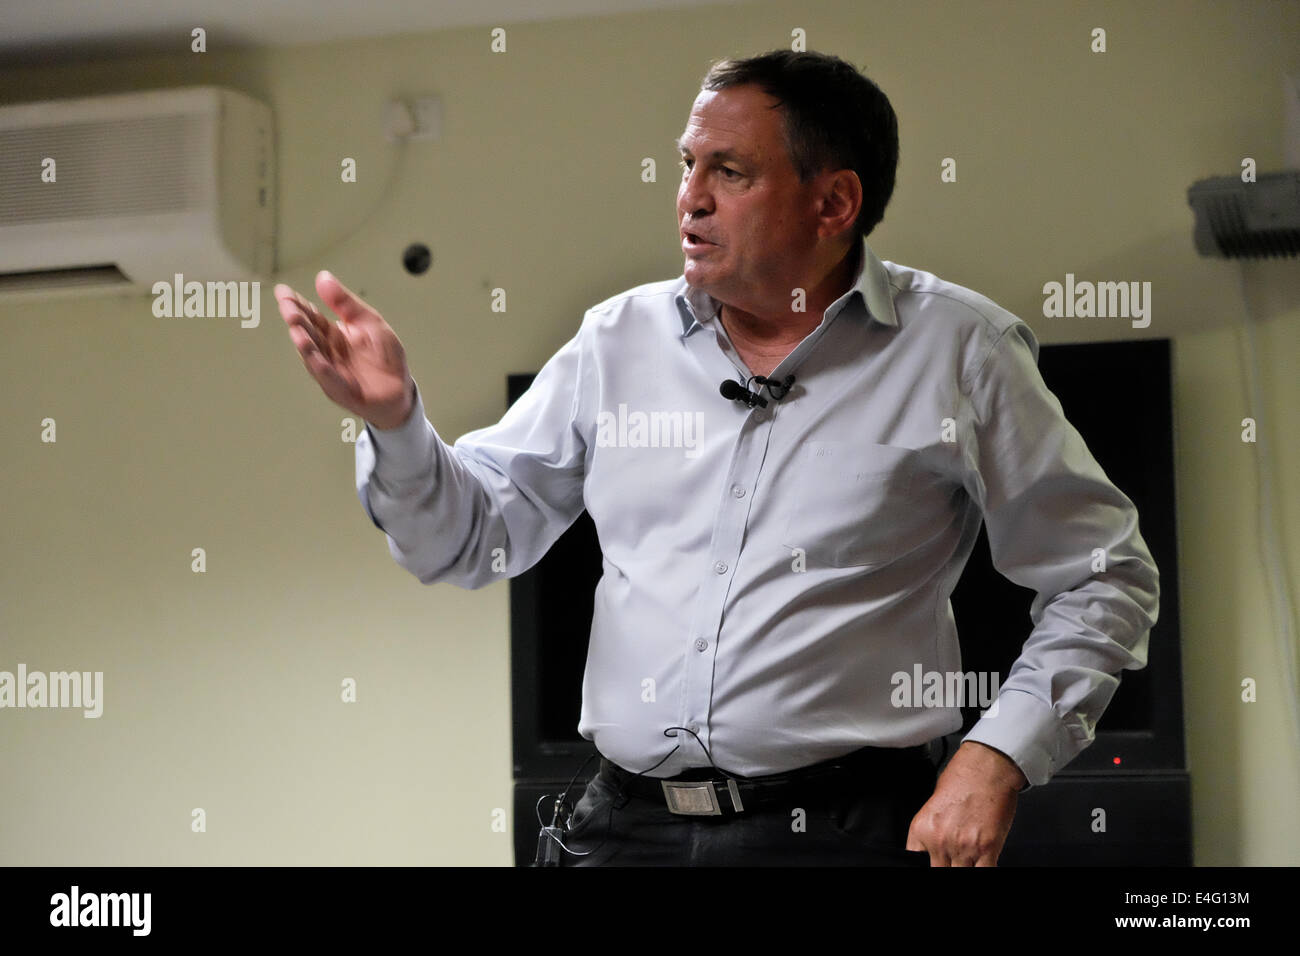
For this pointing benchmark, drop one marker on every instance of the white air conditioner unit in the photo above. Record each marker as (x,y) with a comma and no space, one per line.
(117,192)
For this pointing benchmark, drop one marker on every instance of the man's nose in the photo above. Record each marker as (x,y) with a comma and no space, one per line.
(692,197)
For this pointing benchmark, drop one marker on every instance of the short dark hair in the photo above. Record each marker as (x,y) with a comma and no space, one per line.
(835,118)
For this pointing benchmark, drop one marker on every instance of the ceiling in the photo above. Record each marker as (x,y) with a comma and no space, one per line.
(50,31)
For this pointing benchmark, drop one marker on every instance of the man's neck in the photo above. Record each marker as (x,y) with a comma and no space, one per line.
(788,328)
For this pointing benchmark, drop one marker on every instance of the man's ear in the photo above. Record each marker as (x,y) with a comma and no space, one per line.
(840,202)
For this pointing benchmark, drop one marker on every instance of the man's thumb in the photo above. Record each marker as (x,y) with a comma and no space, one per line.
(339,297)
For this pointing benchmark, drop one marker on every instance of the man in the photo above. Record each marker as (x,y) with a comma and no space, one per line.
(774,561)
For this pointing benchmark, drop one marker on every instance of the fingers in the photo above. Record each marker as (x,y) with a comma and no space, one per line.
(296,314)
(320,345)
(305,323)
(321,332)
(340,298)
(290,301)
(332,383)
(321,323)
(303,342)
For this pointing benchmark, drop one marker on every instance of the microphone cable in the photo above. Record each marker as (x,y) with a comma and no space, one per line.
(550,836)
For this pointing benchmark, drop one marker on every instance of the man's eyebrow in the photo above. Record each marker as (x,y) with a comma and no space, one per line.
(717,153)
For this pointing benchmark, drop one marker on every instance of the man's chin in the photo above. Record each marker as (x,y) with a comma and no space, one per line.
(698,278)
(707,288)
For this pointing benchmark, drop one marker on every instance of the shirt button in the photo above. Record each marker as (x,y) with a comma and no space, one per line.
(720,567)
(701,644)
(738,491)
(693,728)
(760,416)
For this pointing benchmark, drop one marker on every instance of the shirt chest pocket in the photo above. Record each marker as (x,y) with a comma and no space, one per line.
(848,502)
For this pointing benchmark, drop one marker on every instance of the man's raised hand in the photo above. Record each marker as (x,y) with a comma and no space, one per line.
(358,361)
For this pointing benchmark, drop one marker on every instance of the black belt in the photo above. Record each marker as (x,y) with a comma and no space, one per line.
(706,791)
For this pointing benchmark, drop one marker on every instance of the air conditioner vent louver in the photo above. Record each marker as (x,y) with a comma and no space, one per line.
(131,167)
(87,277)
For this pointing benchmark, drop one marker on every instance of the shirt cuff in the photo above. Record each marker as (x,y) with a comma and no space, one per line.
(1026,730)
(406,452)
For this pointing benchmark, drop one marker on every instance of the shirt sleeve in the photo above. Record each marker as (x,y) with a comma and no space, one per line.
(491,505)
(1057,525)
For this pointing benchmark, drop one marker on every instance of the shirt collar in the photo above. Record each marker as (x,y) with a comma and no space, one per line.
(871,283)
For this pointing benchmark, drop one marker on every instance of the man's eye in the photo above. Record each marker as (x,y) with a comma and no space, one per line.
(727,171)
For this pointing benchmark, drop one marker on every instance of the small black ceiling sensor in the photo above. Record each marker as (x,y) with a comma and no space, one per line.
(417,258)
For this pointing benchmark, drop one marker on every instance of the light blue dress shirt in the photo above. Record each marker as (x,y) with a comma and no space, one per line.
(770,572)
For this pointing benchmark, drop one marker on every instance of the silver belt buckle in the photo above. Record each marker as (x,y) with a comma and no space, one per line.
(698,797)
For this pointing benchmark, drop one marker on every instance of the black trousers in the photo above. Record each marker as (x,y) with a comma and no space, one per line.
(853,811)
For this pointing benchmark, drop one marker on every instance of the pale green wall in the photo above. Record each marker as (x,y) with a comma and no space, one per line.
(221,688)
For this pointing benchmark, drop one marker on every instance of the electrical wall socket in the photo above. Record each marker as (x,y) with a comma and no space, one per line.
(419,119)
(427,111)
